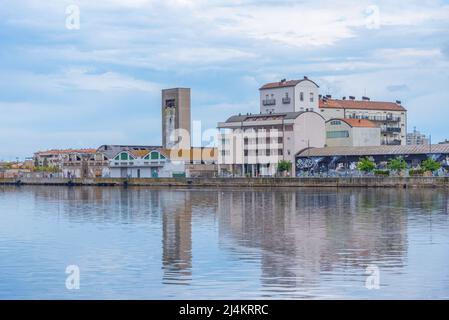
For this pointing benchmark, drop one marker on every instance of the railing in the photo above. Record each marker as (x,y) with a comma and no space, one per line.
(392,143)
(377,118)
(286,100)
(269,102)
(390,130)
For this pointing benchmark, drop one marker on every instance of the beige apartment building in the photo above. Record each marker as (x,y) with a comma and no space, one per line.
(253,145)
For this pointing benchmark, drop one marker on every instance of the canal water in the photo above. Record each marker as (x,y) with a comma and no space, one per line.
(147,243)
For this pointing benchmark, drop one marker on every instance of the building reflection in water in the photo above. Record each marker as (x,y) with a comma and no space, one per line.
(177,237)
(304,235)
(300,235)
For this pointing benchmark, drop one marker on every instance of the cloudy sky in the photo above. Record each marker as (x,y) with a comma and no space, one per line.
(61,86)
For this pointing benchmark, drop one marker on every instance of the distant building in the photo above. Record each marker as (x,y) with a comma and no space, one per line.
(352,133)
(176,116)
(158,162)
(151,163)
(289,96)
(417,138)
(444,142)
(389,116)
(73,163)
(254,144)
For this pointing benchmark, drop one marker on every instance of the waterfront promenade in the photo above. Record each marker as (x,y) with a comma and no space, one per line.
(363,182)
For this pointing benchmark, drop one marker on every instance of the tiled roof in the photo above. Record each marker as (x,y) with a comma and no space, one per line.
(66,151)
(360,104)
(264,116)
(374,150)
(284,84)
(361,123)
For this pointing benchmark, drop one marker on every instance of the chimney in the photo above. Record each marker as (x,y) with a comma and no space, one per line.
(365,98)
(398,102)
(306,78)
(344,98)
(283,80)
(328,96)
(352,97)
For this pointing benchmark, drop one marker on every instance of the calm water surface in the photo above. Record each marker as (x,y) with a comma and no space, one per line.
(249,243)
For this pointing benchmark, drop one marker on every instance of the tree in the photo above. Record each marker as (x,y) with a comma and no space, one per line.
(397,164)
(430,165)
(284,165)
(366,165)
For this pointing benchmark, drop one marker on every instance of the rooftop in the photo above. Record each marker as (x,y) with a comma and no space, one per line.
(265,116)
(65,151)
(360,104)
(285,83)
(358,123)
(375,150)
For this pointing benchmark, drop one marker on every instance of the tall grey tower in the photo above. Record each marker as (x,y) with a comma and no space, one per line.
(175,115)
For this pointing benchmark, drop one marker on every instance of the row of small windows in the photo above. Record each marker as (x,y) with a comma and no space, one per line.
(154,155)
(301,96)
(337,134)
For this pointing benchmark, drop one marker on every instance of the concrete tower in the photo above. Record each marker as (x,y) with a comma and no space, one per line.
(175,115)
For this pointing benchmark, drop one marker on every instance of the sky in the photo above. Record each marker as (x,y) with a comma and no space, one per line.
(70,85)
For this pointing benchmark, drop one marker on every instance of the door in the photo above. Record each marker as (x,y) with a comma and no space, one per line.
(124,172)
(138,173)
(154,173)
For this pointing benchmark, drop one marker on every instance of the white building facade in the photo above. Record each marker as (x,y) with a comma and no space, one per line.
(253,145)
(289,96)
(145,164)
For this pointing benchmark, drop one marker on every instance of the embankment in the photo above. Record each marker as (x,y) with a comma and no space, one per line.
(354,182)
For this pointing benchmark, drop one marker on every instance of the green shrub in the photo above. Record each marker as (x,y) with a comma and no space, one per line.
(397,164)
(284,165)
(416,172)
(366,165)
(430,165)
(382,172)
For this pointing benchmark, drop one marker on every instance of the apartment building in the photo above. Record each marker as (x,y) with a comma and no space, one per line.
(253,145)
(417,138)
(289,96)
(390,117)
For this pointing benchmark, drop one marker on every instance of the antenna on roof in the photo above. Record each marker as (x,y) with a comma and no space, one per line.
(398,102)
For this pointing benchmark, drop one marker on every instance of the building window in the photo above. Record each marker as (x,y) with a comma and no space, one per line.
(337,134)
(311,97)
(301,96)
(335,123)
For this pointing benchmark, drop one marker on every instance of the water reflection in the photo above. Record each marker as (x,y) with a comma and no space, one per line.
(304,241)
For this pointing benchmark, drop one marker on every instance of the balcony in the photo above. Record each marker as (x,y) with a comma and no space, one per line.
(286,100)
(391,130)
(395,142)
(377,118)
(269,102)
